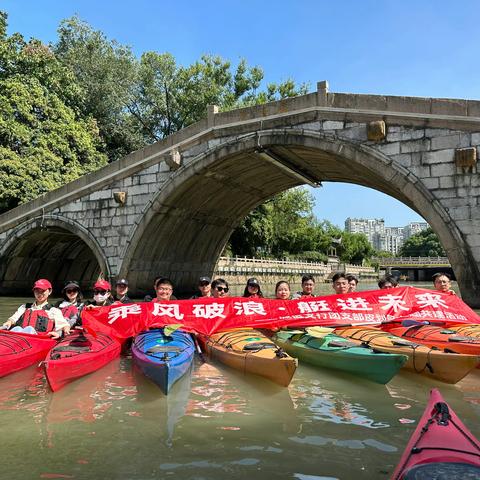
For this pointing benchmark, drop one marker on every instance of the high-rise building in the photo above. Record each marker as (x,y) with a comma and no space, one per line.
(384,238)
(413,228)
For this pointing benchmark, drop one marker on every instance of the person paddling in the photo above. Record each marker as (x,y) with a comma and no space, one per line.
(220,288)
(71,304)
(308,284)
(164,290)
(39,316)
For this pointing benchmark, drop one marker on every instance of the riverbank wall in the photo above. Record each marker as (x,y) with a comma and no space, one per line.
(236,270)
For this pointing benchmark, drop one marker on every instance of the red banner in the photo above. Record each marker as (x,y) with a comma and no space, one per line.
(210,315)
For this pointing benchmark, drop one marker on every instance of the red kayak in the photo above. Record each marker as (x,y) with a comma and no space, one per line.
(77,355)
(20,350)
(440,447)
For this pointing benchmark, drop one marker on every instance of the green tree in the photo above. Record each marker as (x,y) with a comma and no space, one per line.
(355,248)
(423,244)
(137,102)
(107,73)
(44,142)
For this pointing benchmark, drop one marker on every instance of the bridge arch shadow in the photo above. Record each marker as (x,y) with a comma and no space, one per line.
(52,247)
(187,224)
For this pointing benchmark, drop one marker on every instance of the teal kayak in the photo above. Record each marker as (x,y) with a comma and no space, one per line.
(338,353)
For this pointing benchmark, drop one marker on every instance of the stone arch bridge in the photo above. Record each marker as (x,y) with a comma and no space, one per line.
(170,208)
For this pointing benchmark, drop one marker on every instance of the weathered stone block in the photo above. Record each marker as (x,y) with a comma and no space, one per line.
(431,183)
(376,130)
(120,198)
(421,145)
(475,139)
(404,159)
(466,157)
(330,125)
(174,159)
(447,182)
(442,169)
(401,134)
(389,148)
(440,156)
(451,141)
(355,133)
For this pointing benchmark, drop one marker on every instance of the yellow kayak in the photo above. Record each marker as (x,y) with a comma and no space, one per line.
(250,351)
(441,365)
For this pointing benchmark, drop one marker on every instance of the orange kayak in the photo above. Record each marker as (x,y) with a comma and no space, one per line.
(433,363)
(439,337)
(250,351)
(468,330)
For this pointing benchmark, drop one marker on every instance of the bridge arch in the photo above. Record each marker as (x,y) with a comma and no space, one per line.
(35,247)
(187,223)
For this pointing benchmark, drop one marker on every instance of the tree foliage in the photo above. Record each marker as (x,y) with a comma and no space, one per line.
(423,244)
(286,227)
(44,142)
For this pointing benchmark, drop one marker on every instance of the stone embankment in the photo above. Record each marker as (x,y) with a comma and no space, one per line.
(238,269)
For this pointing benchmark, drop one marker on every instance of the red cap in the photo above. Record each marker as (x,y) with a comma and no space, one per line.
(102,285)
(42,284)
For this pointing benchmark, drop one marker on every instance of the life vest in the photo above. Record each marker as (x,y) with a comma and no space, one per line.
(38,319)
(70,313)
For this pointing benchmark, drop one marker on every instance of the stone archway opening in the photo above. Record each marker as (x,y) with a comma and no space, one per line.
(187,224)
(49,252)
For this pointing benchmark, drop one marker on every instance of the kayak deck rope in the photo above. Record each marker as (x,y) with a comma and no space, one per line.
(368,336)
(441,415)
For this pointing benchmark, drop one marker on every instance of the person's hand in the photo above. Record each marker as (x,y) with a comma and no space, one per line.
(7,324)
(55,335)
(66,330)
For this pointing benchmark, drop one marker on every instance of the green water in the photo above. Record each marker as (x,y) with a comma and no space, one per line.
(215,424)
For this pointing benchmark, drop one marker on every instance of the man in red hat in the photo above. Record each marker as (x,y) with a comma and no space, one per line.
(102,295)
(39,316)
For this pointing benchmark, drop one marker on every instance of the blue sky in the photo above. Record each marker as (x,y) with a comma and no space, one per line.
(421,48)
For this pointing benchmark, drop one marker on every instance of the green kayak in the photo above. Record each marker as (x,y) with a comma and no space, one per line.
(331,351)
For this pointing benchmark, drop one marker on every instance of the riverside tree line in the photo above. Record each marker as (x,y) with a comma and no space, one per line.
(70,107)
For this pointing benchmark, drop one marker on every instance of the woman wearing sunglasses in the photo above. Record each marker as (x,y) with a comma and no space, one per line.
(102,295)
(71,304)
(219,288)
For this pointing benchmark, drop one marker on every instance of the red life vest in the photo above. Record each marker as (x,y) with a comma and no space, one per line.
(70,313)
(38,319)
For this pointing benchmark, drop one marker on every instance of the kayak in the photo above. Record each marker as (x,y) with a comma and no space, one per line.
(20,350)
(162,358)
(250,351)
(434,336)
(338,353)
(443,366)
(441,447)
(468,330)
(77,355)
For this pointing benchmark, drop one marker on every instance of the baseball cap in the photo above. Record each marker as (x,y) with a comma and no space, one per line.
(122,281)
(102,285)
(42,284)
(253,281)
(71,284)
(204,280)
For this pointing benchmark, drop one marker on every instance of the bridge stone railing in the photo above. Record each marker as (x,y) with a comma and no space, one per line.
(412,261)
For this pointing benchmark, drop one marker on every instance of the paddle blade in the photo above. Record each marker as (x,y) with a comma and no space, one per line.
(169,329)
(319,332)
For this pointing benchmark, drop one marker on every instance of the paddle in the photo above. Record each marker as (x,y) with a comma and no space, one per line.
(197,348)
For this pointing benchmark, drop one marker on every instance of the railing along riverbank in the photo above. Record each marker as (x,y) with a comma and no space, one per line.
(270,271)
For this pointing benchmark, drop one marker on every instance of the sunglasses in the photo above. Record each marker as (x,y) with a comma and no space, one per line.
(222,289)
(101,292)
(71,290)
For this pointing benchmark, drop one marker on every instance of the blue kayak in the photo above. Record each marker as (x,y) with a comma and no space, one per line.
(163,358)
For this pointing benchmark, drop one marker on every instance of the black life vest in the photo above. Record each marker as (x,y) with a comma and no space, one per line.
(38,319)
